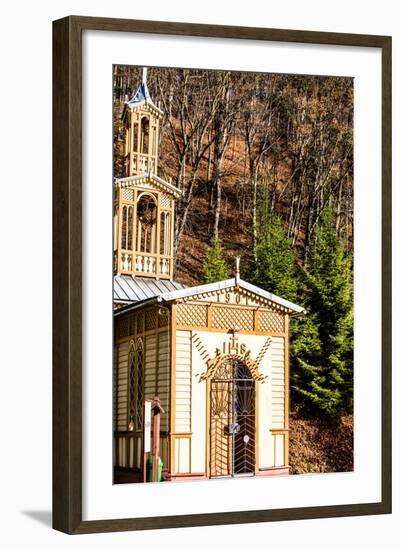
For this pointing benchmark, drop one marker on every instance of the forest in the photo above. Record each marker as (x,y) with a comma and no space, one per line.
(265,166)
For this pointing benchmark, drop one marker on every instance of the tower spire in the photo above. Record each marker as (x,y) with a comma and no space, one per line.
(237,272)
(144,75)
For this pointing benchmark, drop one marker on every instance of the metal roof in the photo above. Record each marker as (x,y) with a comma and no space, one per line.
(187,292)
(129,289)
(142,95)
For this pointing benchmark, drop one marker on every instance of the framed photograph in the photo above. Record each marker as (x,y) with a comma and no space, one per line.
(222,275)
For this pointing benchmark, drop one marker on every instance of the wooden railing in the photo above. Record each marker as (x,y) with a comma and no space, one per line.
(143,163)
(145,264)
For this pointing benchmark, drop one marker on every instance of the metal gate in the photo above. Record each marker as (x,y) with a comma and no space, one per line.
(232,420)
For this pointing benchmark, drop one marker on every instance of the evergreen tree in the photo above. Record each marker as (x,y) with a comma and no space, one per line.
(214,265)
(274,266)
(322,342)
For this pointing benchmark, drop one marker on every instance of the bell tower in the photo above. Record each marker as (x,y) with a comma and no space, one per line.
(143,202)
(141,122)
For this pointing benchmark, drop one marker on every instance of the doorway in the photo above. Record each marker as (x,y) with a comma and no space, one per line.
(232,420)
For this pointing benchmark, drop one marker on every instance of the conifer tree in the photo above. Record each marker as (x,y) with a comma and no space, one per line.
(214,265)
(322,342)
(274,266)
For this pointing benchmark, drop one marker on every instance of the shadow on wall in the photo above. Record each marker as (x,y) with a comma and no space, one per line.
(41,516)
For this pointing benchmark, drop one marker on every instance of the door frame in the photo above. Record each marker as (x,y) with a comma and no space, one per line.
(208,425)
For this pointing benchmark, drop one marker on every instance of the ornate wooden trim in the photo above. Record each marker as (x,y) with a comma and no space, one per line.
(214,363)
(219,317)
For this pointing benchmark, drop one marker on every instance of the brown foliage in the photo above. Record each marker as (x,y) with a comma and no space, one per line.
(318,446)
(225,136)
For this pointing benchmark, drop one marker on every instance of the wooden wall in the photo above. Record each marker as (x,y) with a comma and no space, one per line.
(183,381)
(156,371)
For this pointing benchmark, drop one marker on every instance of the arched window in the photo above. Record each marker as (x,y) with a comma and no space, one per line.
(131,397)
(135,402)
(126,229)
(139,378)
(164,233)
(146,215)
(135,138)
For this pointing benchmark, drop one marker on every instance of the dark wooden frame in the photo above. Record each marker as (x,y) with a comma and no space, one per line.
(67,314)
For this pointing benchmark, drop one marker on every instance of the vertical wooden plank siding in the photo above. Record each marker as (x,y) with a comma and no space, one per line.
(183,381)
(173,325)
(163,381)
(150,365)
(122,387)
(286,388)
(115,385)
(256,465)
(278,383)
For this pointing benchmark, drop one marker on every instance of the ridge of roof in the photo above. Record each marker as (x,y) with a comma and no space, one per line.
(187,292)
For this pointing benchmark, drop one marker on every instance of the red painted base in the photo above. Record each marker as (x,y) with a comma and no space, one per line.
(263,472)
(274,471)
(184,477)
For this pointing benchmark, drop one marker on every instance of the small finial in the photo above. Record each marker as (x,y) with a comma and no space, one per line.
(144,74)
(237,273)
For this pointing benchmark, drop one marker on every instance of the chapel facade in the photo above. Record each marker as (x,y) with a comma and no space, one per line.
(216,355)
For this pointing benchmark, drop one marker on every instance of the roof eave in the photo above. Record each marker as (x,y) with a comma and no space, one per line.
(137,305)
(137,104)
(228,283)
(169,186)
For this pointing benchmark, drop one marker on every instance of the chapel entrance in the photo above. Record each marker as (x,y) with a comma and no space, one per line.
(232,420)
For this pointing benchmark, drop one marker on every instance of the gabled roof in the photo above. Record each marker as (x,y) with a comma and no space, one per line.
(203,290)
(150,179)
(128,289)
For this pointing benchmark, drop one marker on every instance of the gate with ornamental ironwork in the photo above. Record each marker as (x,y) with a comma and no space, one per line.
(232,420)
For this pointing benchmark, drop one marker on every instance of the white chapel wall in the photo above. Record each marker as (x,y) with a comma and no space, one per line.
(271,392)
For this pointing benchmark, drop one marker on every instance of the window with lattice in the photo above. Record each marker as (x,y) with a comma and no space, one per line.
(131,407)
(136,380)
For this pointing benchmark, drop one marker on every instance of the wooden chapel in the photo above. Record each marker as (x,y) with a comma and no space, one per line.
(217,355)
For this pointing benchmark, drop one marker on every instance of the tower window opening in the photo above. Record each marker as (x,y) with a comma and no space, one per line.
(146,215)
(126,229)
(145,135)
(135,138)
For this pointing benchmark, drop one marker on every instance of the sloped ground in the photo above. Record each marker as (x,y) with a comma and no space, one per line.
(316,446)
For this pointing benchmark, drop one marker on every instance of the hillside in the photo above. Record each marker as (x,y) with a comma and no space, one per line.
(236,145)
(224,139)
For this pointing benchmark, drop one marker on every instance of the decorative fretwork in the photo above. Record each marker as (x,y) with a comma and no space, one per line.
(200,346)
(144,216)
(226,317)
(232,419)
(151,319)
(263,350)
(163,317)
(128,194)
(139,323)
(123,328)
(192,315)
(165,202)
(271,321)
(237,297)
(135,381)
(219,367)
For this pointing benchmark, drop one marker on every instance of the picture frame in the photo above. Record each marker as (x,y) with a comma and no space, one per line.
(67,274)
